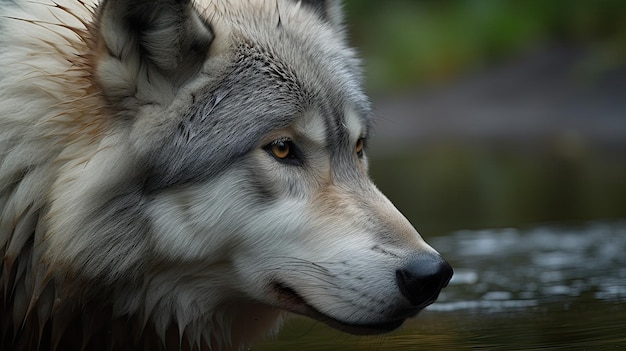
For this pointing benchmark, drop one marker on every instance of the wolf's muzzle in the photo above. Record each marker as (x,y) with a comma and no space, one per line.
(423,277)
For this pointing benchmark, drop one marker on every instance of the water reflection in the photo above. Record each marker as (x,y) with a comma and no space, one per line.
(546,288)
(513,268)
(444,188)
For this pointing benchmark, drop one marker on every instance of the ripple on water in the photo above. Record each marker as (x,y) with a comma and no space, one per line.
(510,268)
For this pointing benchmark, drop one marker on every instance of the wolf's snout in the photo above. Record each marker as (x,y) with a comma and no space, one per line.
(423,277)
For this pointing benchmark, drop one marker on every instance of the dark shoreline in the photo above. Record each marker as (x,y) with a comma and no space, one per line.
(546,97)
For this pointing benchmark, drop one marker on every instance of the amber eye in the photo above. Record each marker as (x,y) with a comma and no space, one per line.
(281,149)
(284,151)
(359,146)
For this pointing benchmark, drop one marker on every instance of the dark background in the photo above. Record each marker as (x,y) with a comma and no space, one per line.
(496,113)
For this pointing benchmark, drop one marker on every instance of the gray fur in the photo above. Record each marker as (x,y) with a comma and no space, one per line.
(267,78)
(271,89)
(134,183)
(328,9)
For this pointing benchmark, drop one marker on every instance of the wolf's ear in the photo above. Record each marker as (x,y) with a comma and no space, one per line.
(330,10)
(144,43)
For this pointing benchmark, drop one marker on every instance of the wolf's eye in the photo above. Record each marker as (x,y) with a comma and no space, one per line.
(359,146)
(284,151)
(281,149)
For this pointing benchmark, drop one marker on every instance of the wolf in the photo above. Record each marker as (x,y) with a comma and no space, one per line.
(180,175)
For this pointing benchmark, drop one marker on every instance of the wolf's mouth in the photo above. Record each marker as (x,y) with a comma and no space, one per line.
(297,304)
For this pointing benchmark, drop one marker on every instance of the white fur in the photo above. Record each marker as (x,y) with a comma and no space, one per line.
(218,258)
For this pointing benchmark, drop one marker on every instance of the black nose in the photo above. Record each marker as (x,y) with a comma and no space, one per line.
(423,277)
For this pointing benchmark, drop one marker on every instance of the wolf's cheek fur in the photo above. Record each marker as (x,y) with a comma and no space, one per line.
(336,248)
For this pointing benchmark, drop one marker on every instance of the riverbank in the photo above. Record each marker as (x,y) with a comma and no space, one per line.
(553,96)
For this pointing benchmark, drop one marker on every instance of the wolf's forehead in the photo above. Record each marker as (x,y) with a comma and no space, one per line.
(291,42)
(324,130)
(270,77)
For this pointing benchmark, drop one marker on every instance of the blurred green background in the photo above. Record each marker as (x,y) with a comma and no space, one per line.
(413,42)
(496,113)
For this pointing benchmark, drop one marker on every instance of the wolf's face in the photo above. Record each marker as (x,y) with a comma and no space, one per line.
(234,172)
(301,227)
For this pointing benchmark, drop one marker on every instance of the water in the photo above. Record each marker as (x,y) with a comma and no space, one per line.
(544,288)
(508,268)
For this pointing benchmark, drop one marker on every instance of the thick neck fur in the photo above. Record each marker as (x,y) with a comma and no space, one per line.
(55,121)
(44,305)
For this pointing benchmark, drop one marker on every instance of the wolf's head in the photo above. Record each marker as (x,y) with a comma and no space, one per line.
(229,181)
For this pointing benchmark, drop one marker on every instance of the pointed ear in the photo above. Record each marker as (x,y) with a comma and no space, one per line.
(149,42)
(330,10)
